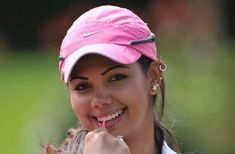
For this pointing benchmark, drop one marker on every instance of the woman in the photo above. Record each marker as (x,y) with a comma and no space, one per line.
(108,59)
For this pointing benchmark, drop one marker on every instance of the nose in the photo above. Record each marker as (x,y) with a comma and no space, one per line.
(101,100)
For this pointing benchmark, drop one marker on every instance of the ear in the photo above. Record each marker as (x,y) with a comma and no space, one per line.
(155,75)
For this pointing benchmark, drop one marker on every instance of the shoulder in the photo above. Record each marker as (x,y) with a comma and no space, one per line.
(166,149)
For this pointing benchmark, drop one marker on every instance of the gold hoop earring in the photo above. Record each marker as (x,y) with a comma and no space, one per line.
(162,67)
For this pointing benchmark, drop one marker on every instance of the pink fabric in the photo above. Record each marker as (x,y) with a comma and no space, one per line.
(105,30)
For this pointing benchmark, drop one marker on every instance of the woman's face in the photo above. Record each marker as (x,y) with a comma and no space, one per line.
(102,90)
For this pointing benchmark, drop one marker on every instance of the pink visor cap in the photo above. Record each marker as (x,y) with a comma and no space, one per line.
(110,31)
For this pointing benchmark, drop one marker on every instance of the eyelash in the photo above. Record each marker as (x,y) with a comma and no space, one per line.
(82,86)
(85,86)
(118,77)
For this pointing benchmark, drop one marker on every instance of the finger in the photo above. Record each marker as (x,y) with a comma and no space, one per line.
(100,129)
(97,132)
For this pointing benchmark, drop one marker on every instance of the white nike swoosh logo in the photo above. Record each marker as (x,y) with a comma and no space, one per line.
(90,33)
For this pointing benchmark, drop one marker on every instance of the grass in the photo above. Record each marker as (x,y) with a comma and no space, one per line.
(200,99)
(31,94)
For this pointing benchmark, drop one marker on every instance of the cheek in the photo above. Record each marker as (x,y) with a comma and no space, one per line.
(134,92)
(79,105)
(139,99)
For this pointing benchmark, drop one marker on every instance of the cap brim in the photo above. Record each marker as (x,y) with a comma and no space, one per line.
(118,53)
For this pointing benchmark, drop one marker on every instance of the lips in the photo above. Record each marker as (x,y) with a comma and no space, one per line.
(110,119)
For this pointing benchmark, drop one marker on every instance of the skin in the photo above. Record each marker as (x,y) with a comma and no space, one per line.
(100,87)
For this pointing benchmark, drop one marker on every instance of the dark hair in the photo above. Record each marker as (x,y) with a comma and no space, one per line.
(160,131)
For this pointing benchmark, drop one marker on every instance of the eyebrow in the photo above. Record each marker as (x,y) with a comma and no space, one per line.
(114,67)
(103,73)
(79,77)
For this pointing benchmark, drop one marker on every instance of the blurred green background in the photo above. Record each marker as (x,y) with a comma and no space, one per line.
(195,40)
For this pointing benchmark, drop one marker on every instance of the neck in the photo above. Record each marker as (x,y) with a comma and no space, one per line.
(144,142)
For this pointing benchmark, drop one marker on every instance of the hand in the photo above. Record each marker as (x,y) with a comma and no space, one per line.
(100,141)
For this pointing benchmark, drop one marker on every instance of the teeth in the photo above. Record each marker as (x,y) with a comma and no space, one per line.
(111,116)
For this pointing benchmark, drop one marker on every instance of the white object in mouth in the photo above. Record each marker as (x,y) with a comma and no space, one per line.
(111,116)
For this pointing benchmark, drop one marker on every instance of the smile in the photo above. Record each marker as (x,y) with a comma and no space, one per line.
(110,117)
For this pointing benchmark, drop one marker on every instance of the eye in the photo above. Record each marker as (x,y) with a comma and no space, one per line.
(118,77)
(82,86)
